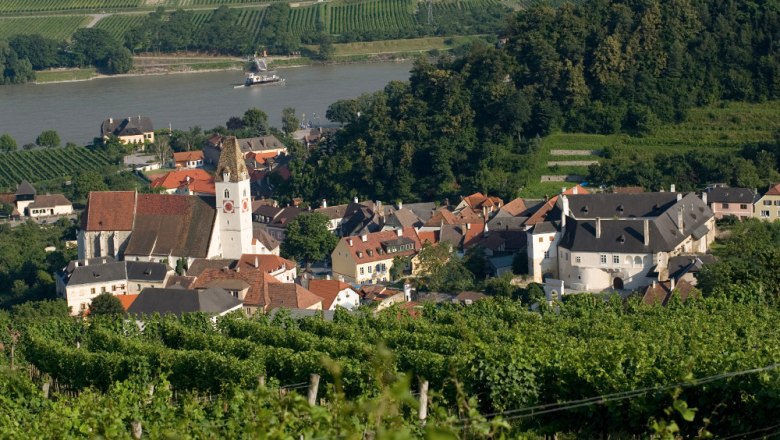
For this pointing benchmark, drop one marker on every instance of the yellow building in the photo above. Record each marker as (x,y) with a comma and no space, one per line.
(767,206)
(368,258)
(132,130)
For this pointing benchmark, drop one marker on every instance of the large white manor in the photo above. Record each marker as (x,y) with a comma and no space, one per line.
(168,228)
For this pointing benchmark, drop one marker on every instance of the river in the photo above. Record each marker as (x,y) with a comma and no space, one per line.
(207,99)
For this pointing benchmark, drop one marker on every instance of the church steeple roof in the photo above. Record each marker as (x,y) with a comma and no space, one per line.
(231,167)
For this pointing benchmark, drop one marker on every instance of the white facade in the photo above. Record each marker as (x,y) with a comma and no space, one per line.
(346,298)
(80,297)
(52,211)
(543,254)
(234,214)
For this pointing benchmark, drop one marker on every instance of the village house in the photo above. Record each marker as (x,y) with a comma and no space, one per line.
(368,258)
(131,130)
(195,182)
(767,205)
(188,159)
(27,202)
(724,201)
(144,275)
(382,297)
(267,146)
(334,294)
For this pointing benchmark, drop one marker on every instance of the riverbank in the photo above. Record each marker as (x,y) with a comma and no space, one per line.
(346,53)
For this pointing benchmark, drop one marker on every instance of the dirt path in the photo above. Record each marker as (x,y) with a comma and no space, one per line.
(95,19)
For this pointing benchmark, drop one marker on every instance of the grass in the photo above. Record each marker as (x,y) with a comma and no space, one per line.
(60,75)
(726,127)
(393,46)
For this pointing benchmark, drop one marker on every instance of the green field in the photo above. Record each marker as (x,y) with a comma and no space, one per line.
(60,75)
(58,28)
(46,164)
(726,127)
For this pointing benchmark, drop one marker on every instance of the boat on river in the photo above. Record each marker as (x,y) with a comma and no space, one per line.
(253,79)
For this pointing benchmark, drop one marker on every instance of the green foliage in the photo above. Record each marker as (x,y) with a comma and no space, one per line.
(256,121)
(7,143)
(307,238)
(96,47)
(439,269)
(106,304)
(48,139)
(85,182)
(290,121)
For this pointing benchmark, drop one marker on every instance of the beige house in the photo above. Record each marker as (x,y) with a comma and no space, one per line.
(82,280)
(132,130)
(368,258)
(50,205)
(767,206)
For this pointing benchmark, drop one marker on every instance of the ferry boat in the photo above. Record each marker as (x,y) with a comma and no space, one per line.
(253,79)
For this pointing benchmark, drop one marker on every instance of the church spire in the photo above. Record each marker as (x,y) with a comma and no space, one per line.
(231,167)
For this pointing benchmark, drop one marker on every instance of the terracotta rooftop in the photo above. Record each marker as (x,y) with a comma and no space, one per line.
(109,211)
(774,190)
(661,293)
(265,263)
(290,296)
(256,296)
(515,207)
(328,290)
(376,246)
(188,156)
(197,180)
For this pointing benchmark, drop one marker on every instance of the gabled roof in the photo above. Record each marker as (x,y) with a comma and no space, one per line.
(260,143)
(259,234)
(131,126)
(146,271)
(403,218)
(265,263)
(541,212)
(661,293)
(333,212)
(515,207)
(196,180)
(373,248)
(291,296)
(109,211)
(25,189)
(608,205)
(158,226)
(258,281)
(98,273)
(730,195)
(49,201)
(774,190)
(179,301)
(285,216)
(187,156)
(328,290)
(231,162)
(201,264)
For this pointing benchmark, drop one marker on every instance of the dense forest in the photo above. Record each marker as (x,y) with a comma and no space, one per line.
(469,123)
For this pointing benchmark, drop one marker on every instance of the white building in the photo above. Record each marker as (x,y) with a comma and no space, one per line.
(335,294)
(600,242)
(83,280)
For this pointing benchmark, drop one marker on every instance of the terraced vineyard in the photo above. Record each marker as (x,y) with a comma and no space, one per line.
(23,6)
(46,164)
(251,19)
(117,25)
(305,19)
(59,28)
(387,15)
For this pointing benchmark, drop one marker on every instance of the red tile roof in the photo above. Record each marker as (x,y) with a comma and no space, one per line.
(109,211)
(186,156)
(126,300)
(661,293)
(328,290)
(291,296)
(372,249)
(515,207)
(197,180)
(256,296)
(774,190)
(265,263)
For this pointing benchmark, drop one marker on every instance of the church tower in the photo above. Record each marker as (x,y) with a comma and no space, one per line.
(234,201)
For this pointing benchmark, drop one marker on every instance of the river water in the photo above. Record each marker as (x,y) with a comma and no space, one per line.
(76,109)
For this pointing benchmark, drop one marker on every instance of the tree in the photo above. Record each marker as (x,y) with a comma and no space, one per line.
(326,48)
(290,122)
(399,266)
(439,269)
(161,148)
(7,143)
(48,138)
(106,304)
(308,238)
(87,181)
(256,120)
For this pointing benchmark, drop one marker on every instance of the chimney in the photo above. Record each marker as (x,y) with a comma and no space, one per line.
(349,242)
(355,199)
(324,203)
(327,277)
(407,292)
(563,190)
(704,197)
(238,269)
(672,188)
(653,284)
(646,234)
(468,226)
(400,205)
(574,189)
(598,227)
(671,280)
(565,209)
(364,238)
(400,232)
(110,120)
(680,225)
(257,262)
(679,196)
(86,262)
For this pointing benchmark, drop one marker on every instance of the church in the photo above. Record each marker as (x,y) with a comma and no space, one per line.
(170,228)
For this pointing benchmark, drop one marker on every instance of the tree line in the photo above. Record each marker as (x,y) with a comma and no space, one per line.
(469,123)
(22,55)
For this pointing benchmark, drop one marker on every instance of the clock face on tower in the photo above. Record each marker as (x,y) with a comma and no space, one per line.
(227,206)
(245,205)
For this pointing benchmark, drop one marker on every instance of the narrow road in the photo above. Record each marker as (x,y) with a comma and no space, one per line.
(96,18)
